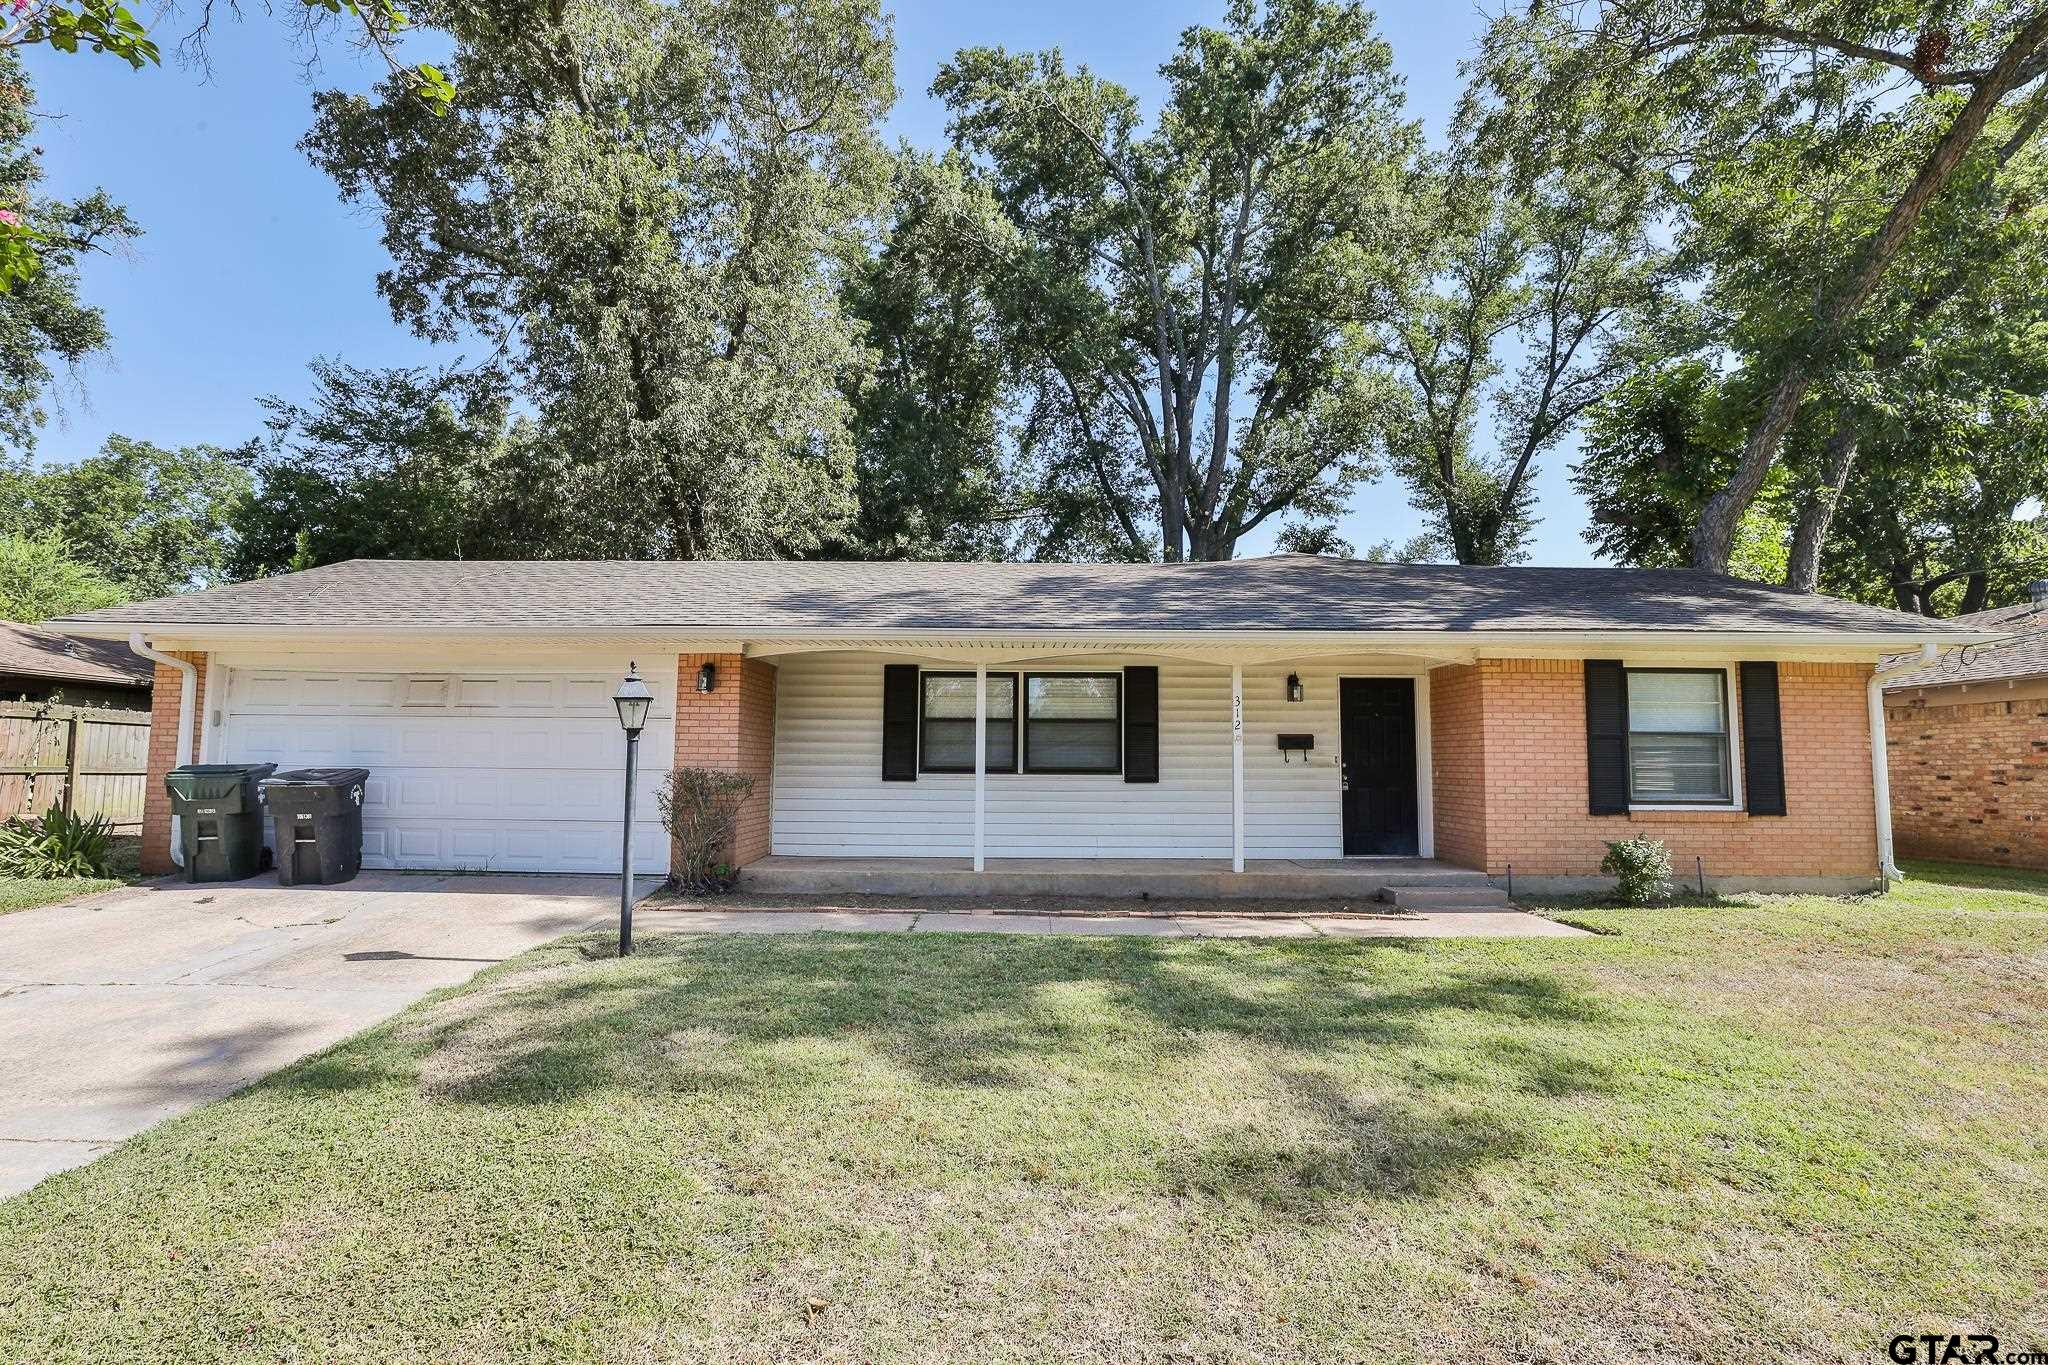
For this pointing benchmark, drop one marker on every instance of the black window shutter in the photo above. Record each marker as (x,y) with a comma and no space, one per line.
(1606,737)
(899,723)
(1141,725)
(1763,743)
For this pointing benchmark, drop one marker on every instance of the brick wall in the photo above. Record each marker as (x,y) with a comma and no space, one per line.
(1457,743)
(163,756)
(1529,766)
(731,728)
(1970,775)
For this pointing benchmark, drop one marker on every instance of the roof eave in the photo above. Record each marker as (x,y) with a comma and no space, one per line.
(1883,641)
(1922,683)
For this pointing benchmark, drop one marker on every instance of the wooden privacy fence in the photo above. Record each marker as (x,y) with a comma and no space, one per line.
(89,761)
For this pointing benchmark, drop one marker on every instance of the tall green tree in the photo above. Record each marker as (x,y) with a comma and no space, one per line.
(930,476)
(647,203)
(1519,319)
(1654,450)
(397,464)
(1938,506)
(39,578)
(1956,330)
(1946,517)
(151,520)
(1194,302)
(1937,388)
(1743,106)
(44,328)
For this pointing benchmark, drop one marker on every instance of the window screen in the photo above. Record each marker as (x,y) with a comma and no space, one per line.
(1073,723)
(946,738)
(1678,736)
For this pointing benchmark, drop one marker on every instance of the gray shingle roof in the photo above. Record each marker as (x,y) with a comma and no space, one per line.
(1279,592)
(27,652)
(2021,650)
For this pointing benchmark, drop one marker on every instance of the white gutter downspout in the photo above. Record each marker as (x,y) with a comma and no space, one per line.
(188,706)
(1880,761)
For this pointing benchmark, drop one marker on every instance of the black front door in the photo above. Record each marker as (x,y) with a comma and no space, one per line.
(1379,765)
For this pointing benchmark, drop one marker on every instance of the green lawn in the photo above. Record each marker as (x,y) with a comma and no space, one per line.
(25,893)
(22,893)
(1779,1129)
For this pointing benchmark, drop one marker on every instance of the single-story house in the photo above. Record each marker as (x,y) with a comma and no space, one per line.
(1253,717)
(1968,740)
(39,665)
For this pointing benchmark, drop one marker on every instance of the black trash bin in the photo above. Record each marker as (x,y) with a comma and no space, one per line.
(220,818)
(319,818)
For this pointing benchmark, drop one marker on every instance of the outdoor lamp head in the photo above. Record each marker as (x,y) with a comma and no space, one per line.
(632,699)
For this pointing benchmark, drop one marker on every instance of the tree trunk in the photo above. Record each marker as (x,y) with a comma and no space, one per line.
(1714,538)
(1172,525)
(1802,571)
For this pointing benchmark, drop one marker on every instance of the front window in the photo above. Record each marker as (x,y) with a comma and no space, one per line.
(1678,736)
(946,738)
(1073,723)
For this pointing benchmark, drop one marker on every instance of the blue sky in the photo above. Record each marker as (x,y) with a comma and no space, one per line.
(251,265)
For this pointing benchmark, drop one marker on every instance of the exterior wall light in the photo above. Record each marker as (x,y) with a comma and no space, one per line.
(1294,687)
(632,699)
(707,678)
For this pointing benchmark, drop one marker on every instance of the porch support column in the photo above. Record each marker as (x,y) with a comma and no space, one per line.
(1237,767)
(980,759)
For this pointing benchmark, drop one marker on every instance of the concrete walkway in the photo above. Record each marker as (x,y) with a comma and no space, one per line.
(1410,924)
(123,1009)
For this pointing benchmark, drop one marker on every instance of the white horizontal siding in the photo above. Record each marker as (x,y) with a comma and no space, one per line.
(1292,808)
(830,800)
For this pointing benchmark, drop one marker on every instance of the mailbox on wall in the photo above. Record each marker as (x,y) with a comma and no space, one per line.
(1291,745)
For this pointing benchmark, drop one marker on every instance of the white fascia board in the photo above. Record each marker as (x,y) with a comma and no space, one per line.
(1491,643)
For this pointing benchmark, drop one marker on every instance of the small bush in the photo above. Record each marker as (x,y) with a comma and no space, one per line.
(1641,869)
(700,807)
(54,845)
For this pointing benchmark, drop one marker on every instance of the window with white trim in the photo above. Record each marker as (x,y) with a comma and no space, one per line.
(1678,751)
(1073,722)
(945,742)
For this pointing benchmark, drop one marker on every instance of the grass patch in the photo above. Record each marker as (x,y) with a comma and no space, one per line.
(2014,888)
(1801,1122)
(24,893)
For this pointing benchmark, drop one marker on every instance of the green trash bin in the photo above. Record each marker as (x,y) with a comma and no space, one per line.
(220,818)
(319,823)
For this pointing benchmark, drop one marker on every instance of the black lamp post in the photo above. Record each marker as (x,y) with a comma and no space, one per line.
(632,699)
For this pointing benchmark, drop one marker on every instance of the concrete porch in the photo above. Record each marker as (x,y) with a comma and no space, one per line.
(1409,882)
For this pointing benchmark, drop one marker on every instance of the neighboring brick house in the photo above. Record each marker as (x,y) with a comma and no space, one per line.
(1968,739)
(1301,720)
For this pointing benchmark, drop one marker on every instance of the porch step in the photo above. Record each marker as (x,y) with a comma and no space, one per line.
(1464,897)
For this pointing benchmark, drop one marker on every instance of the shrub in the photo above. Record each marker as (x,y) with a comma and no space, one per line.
(55,844)
(1641,869)
(700,807)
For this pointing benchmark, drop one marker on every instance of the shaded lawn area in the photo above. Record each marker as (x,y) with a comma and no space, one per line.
(1777,1129)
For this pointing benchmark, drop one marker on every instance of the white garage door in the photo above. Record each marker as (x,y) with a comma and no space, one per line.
(499,771)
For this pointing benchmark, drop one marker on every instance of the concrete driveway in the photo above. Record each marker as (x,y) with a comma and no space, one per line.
(126,1008)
